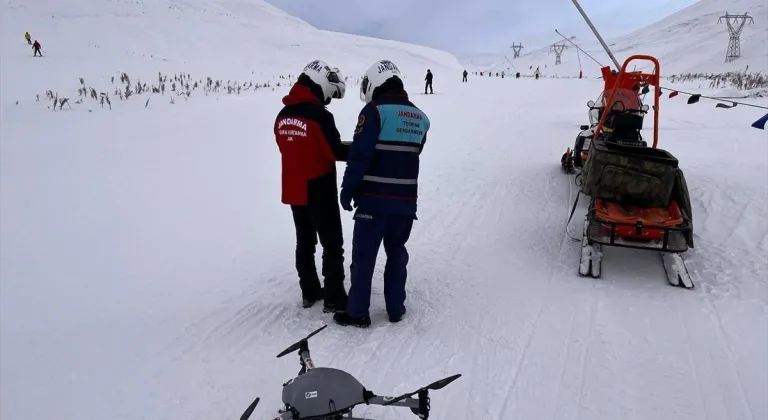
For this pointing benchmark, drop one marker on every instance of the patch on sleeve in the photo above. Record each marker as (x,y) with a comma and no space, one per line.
(360,123)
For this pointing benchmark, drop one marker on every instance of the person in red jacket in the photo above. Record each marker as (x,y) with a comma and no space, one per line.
(310,146)
(36,48)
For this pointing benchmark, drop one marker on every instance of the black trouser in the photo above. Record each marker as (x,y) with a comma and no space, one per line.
(464,79)
(428,85)
(320,218)
(37,51)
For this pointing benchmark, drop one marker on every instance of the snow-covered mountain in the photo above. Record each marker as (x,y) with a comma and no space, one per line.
(232,39)
(690,40)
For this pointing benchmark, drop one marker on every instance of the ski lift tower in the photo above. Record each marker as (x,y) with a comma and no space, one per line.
(735,25)
(516,49)
(558,49)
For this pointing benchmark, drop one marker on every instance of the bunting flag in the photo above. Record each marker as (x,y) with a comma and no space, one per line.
(760,124)
(696,97)
(721,105)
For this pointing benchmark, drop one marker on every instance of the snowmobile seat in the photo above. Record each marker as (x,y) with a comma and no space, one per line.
(623,128)
(624,122)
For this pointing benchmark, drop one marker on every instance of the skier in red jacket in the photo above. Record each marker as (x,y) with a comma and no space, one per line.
(310,146)
(36,47)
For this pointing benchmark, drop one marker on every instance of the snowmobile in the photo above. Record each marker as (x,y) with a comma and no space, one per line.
(639,197)
(319,393)
(574,158)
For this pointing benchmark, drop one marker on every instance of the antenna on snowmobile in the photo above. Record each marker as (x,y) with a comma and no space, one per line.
(597,34)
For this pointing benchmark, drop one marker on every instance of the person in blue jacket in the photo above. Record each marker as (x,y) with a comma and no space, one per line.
(382,178)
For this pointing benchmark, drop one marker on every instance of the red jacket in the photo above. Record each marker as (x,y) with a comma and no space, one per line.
(310,145)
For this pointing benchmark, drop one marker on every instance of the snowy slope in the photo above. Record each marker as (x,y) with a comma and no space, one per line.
(146,262)
(233,39)
(690,40)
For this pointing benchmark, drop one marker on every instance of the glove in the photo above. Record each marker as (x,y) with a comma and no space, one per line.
(346,200)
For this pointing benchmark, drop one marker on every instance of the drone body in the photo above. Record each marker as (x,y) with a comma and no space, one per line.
(320,393)
(323,392)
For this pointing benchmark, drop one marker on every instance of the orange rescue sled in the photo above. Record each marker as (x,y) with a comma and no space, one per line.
(638,194)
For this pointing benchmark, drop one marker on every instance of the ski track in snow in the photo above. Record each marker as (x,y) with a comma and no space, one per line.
(160,285)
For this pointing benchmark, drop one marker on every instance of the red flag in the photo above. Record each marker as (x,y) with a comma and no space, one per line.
(673,94)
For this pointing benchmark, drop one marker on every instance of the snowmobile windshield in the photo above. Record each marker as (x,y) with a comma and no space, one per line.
(596,110)
(624,100)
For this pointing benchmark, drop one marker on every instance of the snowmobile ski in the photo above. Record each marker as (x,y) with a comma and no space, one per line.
(677,272)
(591,260)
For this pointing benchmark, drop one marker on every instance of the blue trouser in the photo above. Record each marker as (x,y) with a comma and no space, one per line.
(393,230)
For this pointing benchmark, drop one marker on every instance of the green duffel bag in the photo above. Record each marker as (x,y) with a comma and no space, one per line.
(636,175)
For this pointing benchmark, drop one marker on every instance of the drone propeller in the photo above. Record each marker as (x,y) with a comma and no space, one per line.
(249,410)
(434,386)
(297,345)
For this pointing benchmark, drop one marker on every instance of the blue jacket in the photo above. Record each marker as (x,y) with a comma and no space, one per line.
(383,164)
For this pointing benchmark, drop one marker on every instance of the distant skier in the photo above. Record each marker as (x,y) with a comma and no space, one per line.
(429,82)
(310,146)
(537,73)
(502,75)
(382,178)
(465,76)
(36,47)
(517,75)
(28,37)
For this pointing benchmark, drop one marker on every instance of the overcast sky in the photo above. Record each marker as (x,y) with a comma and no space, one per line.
(469,26)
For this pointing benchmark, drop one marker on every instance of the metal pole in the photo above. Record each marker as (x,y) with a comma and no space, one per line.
(597,34)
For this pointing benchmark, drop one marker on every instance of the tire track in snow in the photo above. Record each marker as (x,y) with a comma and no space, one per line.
(692,363)
(530,332)
(585,356)
(720,331)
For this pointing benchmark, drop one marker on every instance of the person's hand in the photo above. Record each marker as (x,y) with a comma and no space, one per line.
(346,200)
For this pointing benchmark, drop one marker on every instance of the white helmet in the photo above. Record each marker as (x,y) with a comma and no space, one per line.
(377,74)
(329,79)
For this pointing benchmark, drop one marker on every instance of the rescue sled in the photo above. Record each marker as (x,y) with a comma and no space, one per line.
(638,195)
(322,393)
(627,101)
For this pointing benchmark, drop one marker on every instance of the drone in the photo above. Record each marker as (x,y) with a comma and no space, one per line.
(321,393)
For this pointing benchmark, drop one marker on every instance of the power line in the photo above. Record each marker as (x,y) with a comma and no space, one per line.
(667,88)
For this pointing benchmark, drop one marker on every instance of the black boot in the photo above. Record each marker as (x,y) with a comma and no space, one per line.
(396,318)
(343,319)
(308,300)
(335,302)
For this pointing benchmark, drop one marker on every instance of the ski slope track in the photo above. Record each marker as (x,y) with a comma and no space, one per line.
(146,262)
(689,41)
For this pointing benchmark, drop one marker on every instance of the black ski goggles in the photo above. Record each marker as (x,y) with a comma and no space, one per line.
(334,76)
(363,88)
(337,80)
